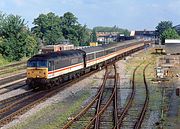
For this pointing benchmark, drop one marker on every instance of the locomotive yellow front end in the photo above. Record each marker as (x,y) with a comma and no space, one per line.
(37,73)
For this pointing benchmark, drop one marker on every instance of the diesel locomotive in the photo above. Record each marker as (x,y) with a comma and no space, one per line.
(48,70)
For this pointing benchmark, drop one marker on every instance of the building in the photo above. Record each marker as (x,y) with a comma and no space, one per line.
(146,35)
(172,46)
(106,37)
(55,48)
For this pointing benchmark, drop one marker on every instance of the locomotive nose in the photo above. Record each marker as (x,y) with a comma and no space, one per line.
(37,73)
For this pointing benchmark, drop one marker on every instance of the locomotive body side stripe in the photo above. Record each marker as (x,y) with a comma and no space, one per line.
(65,70)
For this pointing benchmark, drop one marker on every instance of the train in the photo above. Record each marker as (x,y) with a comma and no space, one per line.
(45,71)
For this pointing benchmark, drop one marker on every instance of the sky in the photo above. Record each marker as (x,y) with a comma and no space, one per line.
(129,14)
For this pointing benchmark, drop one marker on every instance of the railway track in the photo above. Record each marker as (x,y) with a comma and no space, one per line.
(9,88)
(134,122)
(4,103)
(102,111)
(11,70)
(12,78)
(12,65)
(12,107)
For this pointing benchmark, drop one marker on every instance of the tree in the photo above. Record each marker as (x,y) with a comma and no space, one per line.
(51,29)
(83,35)
(112,29)
(47,28)
(170,34)
(31,46)
(69,19)
(126,32)
(162,26)
(1,22)
(14,33)
(70,27)
(73,30)
(94,37)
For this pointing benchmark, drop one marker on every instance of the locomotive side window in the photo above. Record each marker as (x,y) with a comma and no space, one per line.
(51,65)
(64,62)
(57,64)
(74,61)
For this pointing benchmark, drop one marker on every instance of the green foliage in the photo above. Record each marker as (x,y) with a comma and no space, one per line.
(52,29)
(170,34)
(112,29)
(165,31)
(74,31)
(3,61)
(47,28)
(126,32)
(31,46)
(93,36)
(162,26)
(13,44)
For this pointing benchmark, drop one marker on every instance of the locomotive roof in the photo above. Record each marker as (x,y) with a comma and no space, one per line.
(62,54)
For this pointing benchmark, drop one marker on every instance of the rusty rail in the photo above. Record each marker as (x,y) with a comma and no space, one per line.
(68,124)
(129,103)
(145,106)
(112,97)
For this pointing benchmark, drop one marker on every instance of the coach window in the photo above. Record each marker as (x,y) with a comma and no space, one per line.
(90,56)
(112,50)
(99,54)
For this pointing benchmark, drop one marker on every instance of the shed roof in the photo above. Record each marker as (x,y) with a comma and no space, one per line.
(167,41)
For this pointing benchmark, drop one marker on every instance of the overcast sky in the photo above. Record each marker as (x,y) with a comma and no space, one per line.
(130,14)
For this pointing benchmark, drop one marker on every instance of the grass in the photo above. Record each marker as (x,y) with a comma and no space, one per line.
(12,70)
(55,115)
(3,61)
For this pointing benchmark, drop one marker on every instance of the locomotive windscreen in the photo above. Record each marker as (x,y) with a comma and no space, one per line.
(37,63)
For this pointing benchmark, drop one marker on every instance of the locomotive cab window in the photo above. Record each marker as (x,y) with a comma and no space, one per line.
(39,63)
